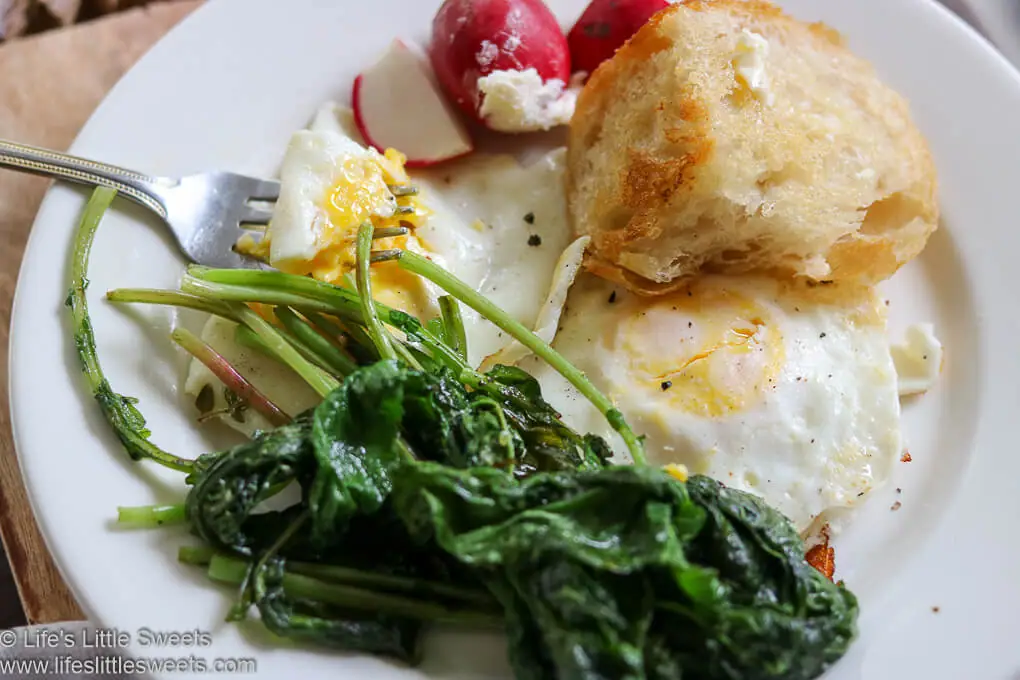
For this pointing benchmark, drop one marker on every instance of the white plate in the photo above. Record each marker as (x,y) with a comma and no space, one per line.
(225,90)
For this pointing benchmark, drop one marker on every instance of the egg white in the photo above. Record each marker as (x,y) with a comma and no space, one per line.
(787,393)
(475,227)
(918,359)
(314,162)
(516,231)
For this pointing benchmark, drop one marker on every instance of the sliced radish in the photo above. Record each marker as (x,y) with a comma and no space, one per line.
(473,39)
(603,28)
(398,105)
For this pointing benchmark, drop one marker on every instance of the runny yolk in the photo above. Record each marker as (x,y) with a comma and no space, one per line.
(742,337)
(708,354)
(357,193)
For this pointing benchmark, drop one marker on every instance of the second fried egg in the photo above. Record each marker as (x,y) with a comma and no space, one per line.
(789,393)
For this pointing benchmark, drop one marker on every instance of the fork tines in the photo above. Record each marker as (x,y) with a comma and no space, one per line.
(400,190)
(389,232)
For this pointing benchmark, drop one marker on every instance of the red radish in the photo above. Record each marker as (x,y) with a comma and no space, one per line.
(473,38)
(605,26)
(398,105)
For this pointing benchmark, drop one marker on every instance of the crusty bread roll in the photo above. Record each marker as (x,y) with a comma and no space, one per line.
(728,137)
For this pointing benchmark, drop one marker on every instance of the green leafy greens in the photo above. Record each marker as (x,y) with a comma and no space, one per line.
(626,573)
(120,411)
(430,493)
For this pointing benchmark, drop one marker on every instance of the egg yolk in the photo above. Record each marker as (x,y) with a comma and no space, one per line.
(709,354)
(360,192)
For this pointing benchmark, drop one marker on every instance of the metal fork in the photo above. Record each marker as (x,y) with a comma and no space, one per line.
(206,213)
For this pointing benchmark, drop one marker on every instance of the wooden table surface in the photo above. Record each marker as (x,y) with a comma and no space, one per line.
(51,84)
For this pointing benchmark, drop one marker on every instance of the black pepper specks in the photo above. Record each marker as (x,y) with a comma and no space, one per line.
(612,297)
(534,240)
(822,335)
(666,385)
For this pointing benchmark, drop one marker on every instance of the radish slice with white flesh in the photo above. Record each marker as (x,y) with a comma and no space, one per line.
(384,97)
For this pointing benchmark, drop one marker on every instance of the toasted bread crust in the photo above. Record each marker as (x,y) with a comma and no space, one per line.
(676,167)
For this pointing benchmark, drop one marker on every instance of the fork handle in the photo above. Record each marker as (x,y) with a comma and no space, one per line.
(141,188)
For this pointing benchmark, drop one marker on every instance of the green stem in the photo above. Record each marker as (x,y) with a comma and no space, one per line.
(400,584)
(199,555)
(325,325)
(210,298)
(405,355)
(466,294)
(438,328)
(306,295)
(148,516)
(340,301)
(171,298)
(454,324)
(229,376)
(279,288)
(368,601)
(119,411)
(318,379)
(334,332)
(376,331)
(253,586)
(310,354)
(231,570)
(246,337)
(203,555)
(323,348)
(270,296)
(351,329)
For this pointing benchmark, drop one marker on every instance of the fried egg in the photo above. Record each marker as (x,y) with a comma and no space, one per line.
(329,186)
(495,223)
(789,393)
(918,359)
